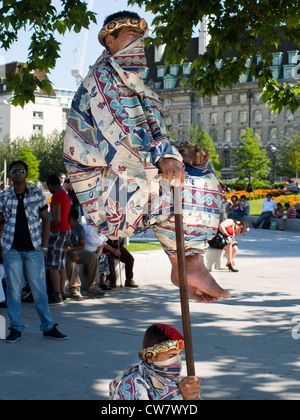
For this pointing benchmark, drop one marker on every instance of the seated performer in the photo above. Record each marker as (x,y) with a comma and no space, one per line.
(157,376)
(122,164)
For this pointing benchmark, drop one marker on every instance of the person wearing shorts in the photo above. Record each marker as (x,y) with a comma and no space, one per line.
(60,233)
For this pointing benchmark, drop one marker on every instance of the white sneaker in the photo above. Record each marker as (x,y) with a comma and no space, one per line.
(76,295)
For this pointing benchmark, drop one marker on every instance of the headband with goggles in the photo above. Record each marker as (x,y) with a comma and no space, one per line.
(121,22)
(150,352)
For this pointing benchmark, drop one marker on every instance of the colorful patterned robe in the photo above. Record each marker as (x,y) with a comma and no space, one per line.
(145,381)
(115,138)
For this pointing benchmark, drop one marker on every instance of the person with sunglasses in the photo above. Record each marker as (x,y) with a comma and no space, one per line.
(25,239)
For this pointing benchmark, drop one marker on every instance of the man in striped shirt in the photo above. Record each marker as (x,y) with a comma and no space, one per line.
(25,240)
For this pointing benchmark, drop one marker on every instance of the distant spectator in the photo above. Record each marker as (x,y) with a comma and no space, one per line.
(242,209)
(116,249)
(290,214)
(60,232)
(279,211)
(291,188)
(269,206)
(77,254)
(95,243)
(226,205)
(249,188)
(234,203)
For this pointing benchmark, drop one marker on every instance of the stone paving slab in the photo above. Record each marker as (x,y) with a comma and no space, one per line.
(243,347)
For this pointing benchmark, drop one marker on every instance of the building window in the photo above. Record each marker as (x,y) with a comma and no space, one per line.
(213,135)
(258,132)
(288,115)
(228,99)
(257,115)
(169,82)
(273,116)
(214,100)
(180,119)
(213,118)
(38,115)
(275,72)
(288,71)
(186,68)
(199,119)
(243,98)
(200,101)
(242,132)
(228,117)
(277,59)
(174,68)
(242,116)
(293,57)
(227,136)
(273,134)
(227,162)
(145,73)
(37,128)
(160,71)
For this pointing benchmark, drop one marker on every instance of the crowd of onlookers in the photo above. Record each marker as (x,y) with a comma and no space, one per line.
(73,242)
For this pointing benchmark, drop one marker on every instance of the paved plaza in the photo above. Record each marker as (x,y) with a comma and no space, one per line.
(245,348)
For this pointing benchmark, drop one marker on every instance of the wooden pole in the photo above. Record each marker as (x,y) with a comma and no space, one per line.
(184,298)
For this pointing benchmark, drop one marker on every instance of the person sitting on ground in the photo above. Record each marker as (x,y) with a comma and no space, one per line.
(291,188)
(116,250)
(242,209)
(157,376)
(269,206)
(77,254)
(95,243)
(290,214)
(225,239)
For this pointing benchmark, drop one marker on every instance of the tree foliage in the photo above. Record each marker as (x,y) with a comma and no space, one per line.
(288,156)
(47,150)
(27,156)
(44,22)
(239,30)
(250,159)
(200,137)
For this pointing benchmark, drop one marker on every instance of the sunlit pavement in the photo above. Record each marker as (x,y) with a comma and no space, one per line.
(246,348)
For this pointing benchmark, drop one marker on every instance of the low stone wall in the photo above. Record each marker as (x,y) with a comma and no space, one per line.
(290,224)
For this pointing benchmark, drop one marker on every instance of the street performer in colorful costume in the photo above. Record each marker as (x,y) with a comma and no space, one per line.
(121,161)
(157,376)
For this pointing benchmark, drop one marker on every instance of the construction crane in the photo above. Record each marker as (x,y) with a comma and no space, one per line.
(79,52)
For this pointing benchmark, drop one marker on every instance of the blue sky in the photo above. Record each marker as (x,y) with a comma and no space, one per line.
(61,75)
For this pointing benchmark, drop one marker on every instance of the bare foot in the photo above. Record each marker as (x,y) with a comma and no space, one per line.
(201,284)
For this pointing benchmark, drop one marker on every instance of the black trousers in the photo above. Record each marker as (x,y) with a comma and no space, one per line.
(125,258)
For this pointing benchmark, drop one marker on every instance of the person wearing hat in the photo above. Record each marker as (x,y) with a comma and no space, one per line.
(123,165)
(156,377)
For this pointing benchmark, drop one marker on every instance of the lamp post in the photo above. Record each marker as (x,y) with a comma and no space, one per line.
(273,150)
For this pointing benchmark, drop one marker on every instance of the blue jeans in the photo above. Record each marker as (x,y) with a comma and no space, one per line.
(16,263)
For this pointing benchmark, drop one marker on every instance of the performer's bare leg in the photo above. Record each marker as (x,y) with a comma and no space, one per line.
(201,284)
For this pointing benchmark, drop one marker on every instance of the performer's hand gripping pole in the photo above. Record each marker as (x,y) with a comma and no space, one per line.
(185,310)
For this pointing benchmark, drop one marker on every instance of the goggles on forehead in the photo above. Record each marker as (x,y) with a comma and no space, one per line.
(122,22)
(150,352)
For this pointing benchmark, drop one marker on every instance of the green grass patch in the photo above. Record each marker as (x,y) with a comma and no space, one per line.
(143,246)
(256,206)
